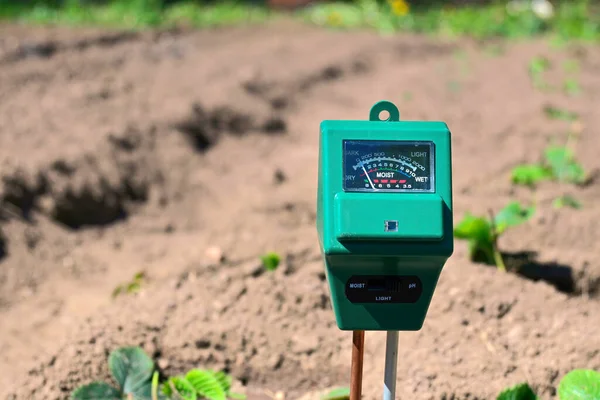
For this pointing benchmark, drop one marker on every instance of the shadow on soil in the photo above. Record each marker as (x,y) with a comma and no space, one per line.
(525,264)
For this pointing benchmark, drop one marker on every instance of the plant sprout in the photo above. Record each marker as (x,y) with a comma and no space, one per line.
(537,67)
(130,287)
(566,201)
(483,233)
(270,261)
(559,164)
(572,87)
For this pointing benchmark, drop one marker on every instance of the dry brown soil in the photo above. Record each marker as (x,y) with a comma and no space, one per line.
(139,152)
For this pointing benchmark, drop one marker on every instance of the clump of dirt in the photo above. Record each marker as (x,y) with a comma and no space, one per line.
(92,189)
(284,95)
(205,127)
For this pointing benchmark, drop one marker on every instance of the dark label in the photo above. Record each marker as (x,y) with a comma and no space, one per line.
(383,289)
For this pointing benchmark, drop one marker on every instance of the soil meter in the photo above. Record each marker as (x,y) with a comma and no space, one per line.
(384,221)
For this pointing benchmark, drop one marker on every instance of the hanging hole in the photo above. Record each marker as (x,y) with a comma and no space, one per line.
(384,111)
(384,115)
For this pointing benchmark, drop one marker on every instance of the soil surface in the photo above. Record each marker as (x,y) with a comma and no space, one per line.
(187,155)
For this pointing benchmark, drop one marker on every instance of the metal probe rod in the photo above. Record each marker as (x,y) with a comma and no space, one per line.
(356,372)
(391,363)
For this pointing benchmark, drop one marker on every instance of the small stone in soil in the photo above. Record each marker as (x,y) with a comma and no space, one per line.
(214,254)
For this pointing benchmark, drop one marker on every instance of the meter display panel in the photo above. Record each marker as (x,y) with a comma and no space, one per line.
(388,166)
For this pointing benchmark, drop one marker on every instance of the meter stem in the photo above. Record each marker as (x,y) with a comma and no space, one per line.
(391,363)
(356,372)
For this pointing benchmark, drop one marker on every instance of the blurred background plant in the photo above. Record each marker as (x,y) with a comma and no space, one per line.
(566,19)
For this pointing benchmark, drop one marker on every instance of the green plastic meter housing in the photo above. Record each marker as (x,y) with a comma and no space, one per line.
(384,217)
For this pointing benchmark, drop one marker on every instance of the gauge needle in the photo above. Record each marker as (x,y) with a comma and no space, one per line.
(367,175)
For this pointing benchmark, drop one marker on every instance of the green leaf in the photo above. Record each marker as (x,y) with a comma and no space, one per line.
(224,380)
(179,387)
(530,174)
(572,87)
(518,392)
(512,215)
(270,261)
(237,396)
(472,227)
(143,392)
(557,157)
(537,67)
(567,201)
(133,287)
(96,391)
(563,164)
(482,252)
(478,232)
(132,369)
(206,384)
(580,384)
(342,393)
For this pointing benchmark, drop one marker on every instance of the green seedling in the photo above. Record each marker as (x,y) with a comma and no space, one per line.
(559,164)
(572,87)
(579,384)
(530,174)
(131,368)
(483,233)
(566,201)
(557,113)
(130,287)
(537,67)
(565,168)
(270,261)
(342,393)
